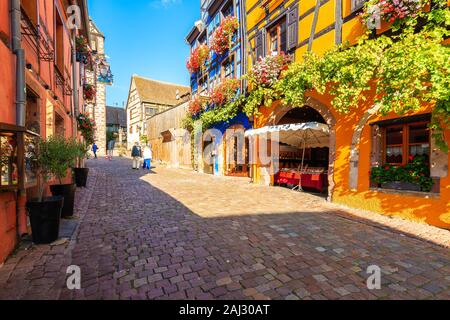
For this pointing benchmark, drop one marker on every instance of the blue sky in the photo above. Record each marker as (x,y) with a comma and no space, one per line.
(145,37)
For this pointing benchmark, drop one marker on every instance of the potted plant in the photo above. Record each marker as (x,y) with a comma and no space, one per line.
(414,176)
(198,58)
(80,171)
(63,153)
(224,92)
(268,70)
(86,126)
(196,106)
(89,92)
(45,212)
(84,53)
(222,39)
(390,11)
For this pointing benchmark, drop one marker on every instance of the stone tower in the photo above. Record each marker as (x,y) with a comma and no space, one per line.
(97,108)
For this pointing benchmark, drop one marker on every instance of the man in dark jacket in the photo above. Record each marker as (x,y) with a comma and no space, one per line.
(136,153)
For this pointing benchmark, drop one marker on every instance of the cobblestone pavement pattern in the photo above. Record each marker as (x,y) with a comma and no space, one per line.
(175,234)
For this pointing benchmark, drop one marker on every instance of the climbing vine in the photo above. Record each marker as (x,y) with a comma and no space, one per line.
(222,114)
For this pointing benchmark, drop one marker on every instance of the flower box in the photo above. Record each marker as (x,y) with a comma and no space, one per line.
(198,58)
(414,176)
(222,39)
(89,92)
(83,52)
(401,185)
(267,70)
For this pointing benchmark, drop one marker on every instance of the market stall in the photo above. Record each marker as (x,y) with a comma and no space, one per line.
(303,158)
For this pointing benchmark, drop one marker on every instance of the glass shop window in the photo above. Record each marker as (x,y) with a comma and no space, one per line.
(30,145)
(8,160)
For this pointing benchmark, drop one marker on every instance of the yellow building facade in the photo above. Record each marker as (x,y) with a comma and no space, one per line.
(360,139)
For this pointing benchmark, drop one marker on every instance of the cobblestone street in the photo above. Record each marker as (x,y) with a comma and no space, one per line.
(175,234)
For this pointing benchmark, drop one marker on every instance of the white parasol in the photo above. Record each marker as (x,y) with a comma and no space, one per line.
(301,135)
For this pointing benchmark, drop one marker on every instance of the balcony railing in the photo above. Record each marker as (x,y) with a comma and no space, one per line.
(38,38)
(62,83)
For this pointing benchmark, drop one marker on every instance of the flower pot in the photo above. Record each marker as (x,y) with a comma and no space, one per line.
(45,216)
(68,192)
(81,175)
(400,185)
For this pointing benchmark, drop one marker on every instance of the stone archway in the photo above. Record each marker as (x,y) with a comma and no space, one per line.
(354,148)
(325,112)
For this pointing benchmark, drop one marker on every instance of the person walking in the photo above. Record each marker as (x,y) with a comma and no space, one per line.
(147,157)
(111,145)
(95,149)
(136,153)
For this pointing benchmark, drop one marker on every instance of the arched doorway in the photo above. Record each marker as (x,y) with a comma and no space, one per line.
(236,151)
(312,111)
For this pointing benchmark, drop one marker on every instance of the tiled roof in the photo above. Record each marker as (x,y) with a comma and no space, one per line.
(158,92)
(116,116)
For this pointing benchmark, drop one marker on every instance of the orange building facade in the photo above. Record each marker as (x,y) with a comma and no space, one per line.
(361,139)
(45,103)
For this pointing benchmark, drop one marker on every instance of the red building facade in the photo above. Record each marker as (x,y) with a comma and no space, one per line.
(40,95)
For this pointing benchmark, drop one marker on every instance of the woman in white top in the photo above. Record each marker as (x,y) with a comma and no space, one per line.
(147,157)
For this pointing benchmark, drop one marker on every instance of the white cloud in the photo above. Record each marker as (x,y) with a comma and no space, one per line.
(164,3)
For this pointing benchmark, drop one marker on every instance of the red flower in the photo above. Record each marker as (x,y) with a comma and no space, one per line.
(197,58)
(411,158)
(195,106)
(225,91)
(222,37)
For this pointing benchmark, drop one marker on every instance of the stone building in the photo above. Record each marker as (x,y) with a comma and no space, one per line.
(100,77)
(147,98)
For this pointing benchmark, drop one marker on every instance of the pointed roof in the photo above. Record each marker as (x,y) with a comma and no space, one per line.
(116,116)
(159,92)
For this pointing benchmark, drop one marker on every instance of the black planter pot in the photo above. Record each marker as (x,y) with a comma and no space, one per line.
(45,217)
(81,175)
(67,191)
(400,185)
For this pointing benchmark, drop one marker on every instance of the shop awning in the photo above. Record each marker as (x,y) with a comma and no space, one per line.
(308,134)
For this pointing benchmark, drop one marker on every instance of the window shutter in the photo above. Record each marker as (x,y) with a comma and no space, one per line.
(292,29)
(259,45)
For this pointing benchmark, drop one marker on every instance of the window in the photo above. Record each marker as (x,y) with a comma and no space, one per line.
(59,125)
(214,74)
(228,10)
(276,38)
(167,136)
(215,22)
(404,141)
(228,68)
(357,4)
(32,122)
(29,7)
(149,111)
(203,84)
(194,84)
(201,39)
(59,38)
(8,160)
